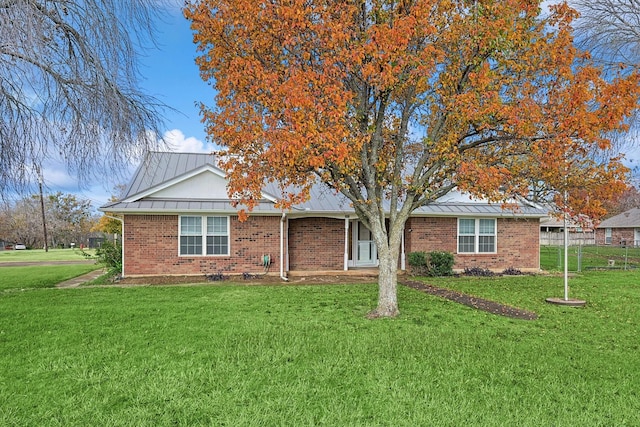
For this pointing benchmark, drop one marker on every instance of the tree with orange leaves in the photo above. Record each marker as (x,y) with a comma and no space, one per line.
(394,103)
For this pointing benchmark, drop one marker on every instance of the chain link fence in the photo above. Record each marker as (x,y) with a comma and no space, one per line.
(590,257)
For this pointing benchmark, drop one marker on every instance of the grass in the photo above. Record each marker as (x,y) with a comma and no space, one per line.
(41,276)
(591,257)
(33,255)
(306,356)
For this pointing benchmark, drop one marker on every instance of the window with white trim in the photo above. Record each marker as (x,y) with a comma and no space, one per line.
(607,236)
(204,235)
(476,235)
(217,235)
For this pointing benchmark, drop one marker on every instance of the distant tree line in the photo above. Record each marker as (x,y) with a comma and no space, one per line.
(69,219)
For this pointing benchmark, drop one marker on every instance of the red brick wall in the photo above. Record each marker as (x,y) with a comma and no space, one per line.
(518,243)
(316,244)
(151,247)
(431,234)
(618,235)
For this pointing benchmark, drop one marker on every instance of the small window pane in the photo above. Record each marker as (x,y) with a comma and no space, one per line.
(191,245)
(466,243)
(216,225)
(190,226)
(488,226)
(217,245)
(467,226)
(486,244)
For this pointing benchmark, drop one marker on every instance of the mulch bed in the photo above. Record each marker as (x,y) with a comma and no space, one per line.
(471,301)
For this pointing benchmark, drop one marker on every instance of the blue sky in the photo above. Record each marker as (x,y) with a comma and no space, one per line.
(171,76)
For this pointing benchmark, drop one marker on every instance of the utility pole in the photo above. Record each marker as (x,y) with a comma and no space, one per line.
(44,221)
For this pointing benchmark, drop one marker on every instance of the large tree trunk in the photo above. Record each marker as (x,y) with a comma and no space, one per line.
(388,253)
(387,288)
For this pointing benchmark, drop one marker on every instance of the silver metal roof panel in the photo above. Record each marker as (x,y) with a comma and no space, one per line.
(162,167)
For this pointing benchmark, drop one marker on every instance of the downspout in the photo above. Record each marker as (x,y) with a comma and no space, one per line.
(282,276)
(121,222)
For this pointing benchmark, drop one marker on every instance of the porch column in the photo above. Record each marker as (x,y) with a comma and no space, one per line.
(346,243)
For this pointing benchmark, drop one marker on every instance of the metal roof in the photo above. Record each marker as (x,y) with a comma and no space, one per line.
(628,219)
(160,168)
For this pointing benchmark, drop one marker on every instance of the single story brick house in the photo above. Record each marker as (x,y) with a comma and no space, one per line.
(620,230)
(178,220)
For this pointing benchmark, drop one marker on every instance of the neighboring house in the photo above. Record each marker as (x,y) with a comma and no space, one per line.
(178,220)
(620,230)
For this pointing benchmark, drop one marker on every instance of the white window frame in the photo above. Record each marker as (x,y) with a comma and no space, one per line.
(608,236)
(204,235)
(477,234)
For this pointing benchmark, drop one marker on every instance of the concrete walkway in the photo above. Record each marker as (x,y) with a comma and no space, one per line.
(77,281)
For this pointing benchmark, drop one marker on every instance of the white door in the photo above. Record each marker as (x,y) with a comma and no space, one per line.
(366,252)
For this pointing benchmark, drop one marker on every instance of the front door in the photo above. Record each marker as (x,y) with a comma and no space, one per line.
(365,250)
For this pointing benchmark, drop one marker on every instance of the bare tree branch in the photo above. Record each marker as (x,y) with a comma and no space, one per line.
(69,85)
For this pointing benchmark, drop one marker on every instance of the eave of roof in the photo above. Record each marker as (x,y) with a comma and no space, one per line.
(157,206)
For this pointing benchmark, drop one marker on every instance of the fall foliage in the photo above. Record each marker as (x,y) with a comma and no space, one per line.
(402,101)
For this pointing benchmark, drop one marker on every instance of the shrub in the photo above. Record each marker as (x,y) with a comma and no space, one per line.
(109,254)
(216,277)
(511,271)
(418,263)
(417,258)
(477,271)
(441,263)
(433,264)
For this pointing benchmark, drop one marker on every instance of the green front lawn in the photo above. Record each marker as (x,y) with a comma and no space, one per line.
(41,276)
(33,255)
(306,356)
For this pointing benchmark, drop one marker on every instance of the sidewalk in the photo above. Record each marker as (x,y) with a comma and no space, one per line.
(77,281)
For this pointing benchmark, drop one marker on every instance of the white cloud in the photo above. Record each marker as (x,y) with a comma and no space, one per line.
(177,142)
(57,176)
